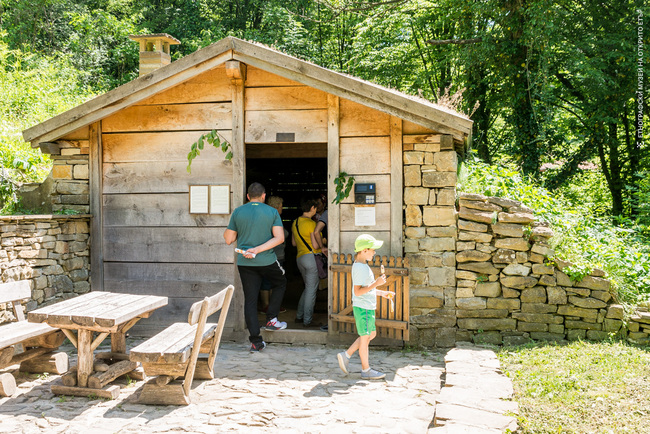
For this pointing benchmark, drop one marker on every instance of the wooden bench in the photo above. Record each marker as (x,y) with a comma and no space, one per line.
(38,341)
(174,352)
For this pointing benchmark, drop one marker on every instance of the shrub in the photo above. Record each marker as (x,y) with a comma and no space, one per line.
(617,246)
(32,89)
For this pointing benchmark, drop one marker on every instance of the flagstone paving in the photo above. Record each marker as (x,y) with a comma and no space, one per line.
(285,388)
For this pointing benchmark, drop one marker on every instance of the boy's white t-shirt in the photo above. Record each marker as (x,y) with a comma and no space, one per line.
(362,275)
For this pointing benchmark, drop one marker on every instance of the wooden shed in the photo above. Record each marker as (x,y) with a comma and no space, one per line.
(292,125)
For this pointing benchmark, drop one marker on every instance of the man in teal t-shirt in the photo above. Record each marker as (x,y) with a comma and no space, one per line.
(257,228)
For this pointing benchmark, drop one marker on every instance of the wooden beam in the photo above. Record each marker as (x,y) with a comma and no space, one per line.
(108,392)
(98,340)
(85,360)
(389,323)
(286,150)
(238,147)
(334,210)
(71,336)
(396,186)
(236,71)
(96,186)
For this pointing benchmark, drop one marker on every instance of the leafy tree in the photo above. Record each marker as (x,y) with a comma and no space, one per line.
(32,89)
(594,76)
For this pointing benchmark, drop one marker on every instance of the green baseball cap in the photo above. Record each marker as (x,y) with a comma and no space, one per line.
(366,241)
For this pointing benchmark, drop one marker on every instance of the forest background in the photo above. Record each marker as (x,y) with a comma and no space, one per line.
(555,89)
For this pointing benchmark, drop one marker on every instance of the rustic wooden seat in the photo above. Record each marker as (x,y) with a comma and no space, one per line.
(38,341)
(174,352)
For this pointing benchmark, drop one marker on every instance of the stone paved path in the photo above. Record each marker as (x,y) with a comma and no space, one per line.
(287,389)
(283,389)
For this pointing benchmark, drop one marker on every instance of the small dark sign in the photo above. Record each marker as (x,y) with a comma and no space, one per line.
(285,137)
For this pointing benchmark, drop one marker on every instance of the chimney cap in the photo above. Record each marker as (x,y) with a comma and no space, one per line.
(164,37)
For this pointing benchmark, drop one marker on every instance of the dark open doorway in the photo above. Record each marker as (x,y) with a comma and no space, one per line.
(292,178)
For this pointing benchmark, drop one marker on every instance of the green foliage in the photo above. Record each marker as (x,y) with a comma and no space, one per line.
(91,35)
(213,139)
(617,246)
(577,272)
(32,89)
(343,183)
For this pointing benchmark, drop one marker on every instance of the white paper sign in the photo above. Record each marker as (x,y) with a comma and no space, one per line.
(364,216)
(219,199)
(198,199)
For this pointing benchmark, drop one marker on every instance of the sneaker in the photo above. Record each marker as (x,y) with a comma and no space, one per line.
(324,328)
(344,361)
(372,375)
(274,324)
(257,348)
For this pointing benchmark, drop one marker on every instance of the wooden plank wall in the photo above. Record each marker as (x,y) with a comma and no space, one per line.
(152,245)
(365,153)
(275,105)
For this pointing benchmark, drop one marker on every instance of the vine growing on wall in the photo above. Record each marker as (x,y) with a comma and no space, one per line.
(213,138)
(344,183)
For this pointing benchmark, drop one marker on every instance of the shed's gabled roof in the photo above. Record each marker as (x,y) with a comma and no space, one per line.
(417,110)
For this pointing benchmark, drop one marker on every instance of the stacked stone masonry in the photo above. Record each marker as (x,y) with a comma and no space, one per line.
(70,189)
(510,288)
(430,237)
(50,251)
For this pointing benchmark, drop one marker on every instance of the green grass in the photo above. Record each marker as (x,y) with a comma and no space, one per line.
(582,387)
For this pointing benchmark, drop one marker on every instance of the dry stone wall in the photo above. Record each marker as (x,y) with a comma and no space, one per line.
(510,289)
(50,251)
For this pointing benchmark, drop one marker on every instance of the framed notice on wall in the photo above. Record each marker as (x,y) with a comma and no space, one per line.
(220,199)
(198,199)
(209,199)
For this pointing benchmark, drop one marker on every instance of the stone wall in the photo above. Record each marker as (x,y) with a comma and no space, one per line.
(66,187)
(430,240)
(70,175)
(510,288)
(49,250)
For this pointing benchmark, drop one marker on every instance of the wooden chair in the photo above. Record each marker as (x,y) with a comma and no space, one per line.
(174,352)
(38,341)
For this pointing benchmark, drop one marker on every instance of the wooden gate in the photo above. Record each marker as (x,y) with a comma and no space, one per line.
(391,324)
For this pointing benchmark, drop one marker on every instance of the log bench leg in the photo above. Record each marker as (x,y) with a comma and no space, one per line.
(137,374)
(53,363)
(109,392)
(7,384)
(203,370)
(6,354)
(101,379)
(165,394)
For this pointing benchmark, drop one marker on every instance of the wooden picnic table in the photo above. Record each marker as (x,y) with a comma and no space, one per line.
(103,313)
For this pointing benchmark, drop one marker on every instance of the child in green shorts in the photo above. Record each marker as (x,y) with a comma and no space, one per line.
(364,302)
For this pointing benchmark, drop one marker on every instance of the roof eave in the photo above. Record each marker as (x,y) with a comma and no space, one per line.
(374,96)
(130,93)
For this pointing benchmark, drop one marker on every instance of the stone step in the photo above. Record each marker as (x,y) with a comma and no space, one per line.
(473,417)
